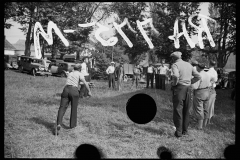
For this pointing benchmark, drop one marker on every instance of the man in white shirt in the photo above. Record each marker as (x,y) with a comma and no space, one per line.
(162,76)
(111,75)
(193,87)
(150,75)
(84,71)
(212,97)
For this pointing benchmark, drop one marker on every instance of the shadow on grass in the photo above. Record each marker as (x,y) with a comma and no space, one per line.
(49,125)
(145,128)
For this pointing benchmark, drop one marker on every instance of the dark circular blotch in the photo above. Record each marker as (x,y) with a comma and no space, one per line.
(164,153)
(230,152)
(141,108)
(88,151)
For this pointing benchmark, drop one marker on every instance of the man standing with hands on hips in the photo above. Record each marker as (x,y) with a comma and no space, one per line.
(111,75)
(182,80)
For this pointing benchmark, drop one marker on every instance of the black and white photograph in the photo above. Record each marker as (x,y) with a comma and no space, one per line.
(101,80)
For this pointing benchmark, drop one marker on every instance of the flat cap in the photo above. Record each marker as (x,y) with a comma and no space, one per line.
(176,54)
(77,67)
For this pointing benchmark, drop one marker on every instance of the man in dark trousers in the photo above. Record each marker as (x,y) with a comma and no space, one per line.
(119,71)
(111,75)
(157,71)
(150,71)
(181,82)
(163,76)
(70,95)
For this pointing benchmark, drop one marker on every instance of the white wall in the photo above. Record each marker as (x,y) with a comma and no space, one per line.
(9,52)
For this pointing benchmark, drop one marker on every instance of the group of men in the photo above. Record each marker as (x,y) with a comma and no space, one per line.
(161,74)
(188,82)
(192,82)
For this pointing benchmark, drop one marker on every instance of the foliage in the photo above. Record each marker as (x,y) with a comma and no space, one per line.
(132,11)
(223,32)
(9,12)
(66,15)
(164,16)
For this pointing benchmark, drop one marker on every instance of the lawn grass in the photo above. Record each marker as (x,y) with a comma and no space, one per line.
(30,111)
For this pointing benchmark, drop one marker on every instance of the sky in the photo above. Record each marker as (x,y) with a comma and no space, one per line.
(14,33)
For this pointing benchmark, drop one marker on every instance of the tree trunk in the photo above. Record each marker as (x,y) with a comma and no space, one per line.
(27,42)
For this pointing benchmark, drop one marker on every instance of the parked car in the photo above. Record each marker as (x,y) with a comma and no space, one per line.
(54,62)
(31,64)
(11,60)
(62,69)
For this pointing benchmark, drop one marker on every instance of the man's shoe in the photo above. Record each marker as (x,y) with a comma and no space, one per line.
(57,129)
(177,135)
(185,133)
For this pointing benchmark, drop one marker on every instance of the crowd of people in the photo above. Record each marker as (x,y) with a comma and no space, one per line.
(193,89)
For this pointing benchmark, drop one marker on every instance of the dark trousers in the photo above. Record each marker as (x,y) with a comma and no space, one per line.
(136,79)
(83,90)
(111,80)
(150,77)
(69,94)
(181,105)
(162,79)
(157,81)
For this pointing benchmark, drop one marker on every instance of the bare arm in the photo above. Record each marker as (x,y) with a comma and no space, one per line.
(196,76)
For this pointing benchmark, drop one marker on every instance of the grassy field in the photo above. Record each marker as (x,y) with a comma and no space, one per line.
(31,105)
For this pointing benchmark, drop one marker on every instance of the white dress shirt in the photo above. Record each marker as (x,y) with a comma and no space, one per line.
(84,69)
(163,70)
(150,70)
(110,69)
(214,77)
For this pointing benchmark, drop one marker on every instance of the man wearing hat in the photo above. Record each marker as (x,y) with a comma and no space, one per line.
(212,93)
(182,73)
(111,75)
(150,71)
(120,75)
(70,94)
(201,97)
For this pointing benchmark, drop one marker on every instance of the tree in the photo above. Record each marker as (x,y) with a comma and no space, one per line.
(10,11)
(164,15)
(132,11)
(65,15)
(223,32)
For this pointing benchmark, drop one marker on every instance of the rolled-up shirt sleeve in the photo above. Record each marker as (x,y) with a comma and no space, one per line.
(175,74)
(196,76)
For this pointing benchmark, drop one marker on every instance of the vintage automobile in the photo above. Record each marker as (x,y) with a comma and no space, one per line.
(62,69)
(54,62)
(11,60)
(32,65)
